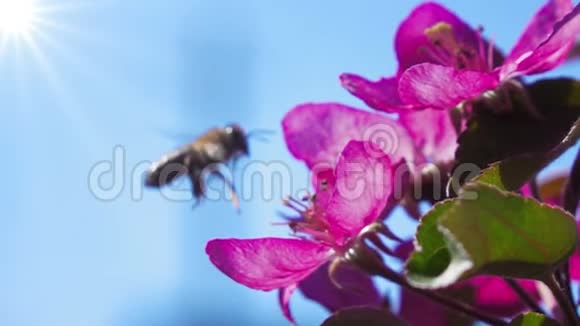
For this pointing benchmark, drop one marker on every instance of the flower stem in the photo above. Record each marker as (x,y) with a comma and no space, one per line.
(529,301)
(564,302)
(461,307)
(562,275)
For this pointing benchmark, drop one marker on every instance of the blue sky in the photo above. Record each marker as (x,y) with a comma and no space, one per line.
(139,74)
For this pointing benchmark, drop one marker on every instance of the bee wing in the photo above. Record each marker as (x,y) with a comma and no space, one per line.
(181,137)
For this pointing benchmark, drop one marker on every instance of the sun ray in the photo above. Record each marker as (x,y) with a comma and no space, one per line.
(34,40)
(20,20)
(17,17)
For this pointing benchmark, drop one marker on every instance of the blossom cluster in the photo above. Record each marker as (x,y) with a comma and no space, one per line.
(447,72)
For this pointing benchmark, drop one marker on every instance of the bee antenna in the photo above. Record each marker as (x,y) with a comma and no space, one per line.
(260,134)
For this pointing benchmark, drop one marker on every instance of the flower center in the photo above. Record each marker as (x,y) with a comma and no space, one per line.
(447,50)
(310,220)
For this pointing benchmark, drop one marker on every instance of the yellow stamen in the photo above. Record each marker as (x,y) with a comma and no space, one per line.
(441,34)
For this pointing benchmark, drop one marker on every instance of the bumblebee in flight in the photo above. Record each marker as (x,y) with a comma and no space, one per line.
(203,155)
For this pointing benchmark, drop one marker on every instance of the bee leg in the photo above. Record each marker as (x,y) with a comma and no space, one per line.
(230,185)
(196,203)
(234,164)
(196,187)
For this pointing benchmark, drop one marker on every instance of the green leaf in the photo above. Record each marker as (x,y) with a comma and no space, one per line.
(492,137)
(534,319)
(513,173)
(489,231)
(367,316)
(434,256)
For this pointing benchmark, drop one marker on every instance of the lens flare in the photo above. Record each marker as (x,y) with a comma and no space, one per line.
(17,17)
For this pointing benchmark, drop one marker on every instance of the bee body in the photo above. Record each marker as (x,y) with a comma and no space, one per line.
(216,146)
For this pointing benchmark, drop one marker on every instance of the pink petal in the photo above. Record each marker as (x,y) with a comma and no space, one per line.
(410,40)
(284,295)
(526,190)
(493,294)
(442,87)
(267,263)
(323,178)
(324,182)
(417,310)
(317,132)
(540,27)
(364,184)
(357,289)
(575,266)
(382,94)
(433,133)
(551,45)
(575,261)
(490,294)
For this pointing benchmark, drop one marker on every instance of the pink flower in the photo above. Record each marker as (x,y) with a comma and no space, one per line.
(357,288)
(316,133)
(444,62)
(433,134)
(490,294)
(351,198)
(575,260)
(493,294)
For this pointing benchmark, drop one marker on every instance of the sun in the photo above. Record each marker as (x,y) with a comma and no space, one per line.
(17,17)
